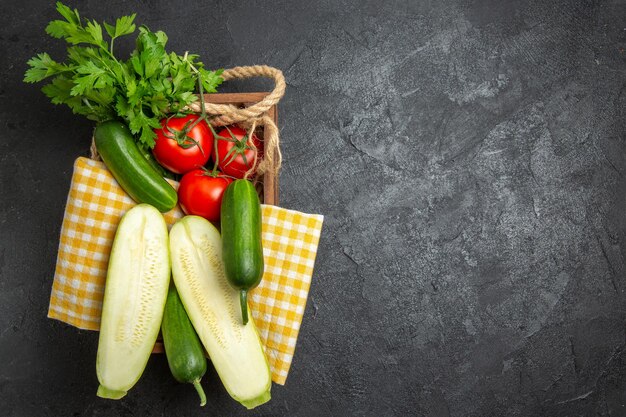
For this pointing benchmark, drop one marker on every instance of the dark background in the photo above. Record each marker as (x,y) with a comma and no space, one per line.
(469,157)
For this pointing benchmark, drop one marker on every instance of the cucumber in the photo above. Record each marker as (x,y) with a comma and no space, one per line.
(241,239)
(134,297)
(122,156)
(183,349)
(155,164)
(211,303)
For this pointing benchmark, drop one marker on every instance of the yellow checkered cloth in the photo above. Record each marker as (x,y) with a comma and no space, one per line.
(94,207)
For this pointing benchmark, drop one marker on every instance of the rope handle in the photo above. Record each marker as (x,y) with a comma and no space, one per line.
(228,114)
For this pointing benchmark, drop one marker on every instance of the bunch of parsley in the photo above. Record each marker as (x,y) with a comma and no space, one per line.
(95,83)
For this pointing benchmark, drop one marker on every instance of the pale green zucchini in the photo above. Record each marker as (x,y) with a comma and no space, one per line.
(134,299)
(213,307)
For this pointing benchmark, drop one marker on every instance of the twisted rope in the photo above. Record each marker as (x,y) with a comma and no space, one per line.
(227,114)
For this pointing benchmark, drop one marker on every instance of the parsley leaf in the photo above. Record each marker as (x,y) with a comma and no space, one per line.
(123,26)
(210,79)
(42,66)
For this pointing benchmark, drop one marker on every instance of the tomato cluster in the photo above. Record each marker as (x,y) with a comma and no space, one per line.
(185,145)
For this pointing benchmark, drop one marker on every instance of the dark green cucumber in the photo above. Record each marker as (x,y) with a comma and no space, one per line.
(122,156)
(242,249)
(154,164)
(185,354)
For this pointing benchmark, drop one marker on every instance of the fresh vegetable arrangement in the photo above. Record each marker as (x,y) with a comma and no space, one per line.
(144,134)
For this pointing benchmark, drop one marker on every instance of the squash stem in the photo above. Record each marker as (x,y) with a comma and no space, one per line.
(243,298)
(198,387)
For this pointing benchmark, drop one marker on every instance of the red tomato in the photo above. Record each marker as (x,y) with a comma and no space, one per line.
(200,193)
(235,152)
(181,149)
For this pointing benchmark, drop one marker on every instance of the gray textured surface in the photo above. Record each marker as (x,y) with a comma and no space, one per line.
(469,157)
